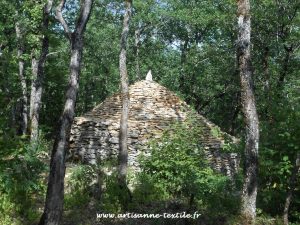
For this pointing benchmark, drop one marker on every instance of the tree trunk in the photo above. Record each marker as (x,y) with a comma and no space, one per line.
(55,192)
(266,72)
(249,192)
(292,185)
(183,49)
(24,99)
(266,86)
(37,66)
(137,35)
(286,62)
(235,112)
(123,151)
(33,116)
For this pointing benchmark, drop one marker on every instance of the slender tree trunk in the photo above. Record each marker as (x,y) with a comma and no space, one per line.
(266,71)
(235,112)
(34,117)
(137,35)
(249,192)
(55,192)
(286,61)
(266,87)
(183,49)
(105,89)
(291,189)
(24,99)
(123,151)
(37,66)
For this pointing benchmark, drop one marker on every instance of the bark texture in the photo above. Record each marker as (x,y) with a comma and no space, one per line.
(291,189)
(23,99)
(123,151)
(37,66)
(249,191)
(123,135)
(55,192)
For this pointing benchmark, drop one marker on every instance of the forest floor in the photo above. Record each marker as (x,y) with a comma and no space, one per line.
(86,212)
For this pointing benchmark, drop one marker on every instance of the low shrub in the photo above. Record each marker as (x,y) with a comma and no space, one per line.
(22,186)
(177,169)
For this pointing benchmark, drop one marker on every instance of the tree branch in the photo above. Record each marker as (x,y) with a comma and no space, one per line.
(83,16)
(53,53)
(48,7)
(61,19)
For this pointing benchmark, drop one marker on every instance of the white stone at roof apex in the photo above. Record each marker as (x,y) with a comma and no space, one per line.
(149,76)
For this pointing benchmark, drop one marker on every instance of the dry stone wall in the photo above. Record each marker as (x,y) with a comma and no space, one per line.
(95,135)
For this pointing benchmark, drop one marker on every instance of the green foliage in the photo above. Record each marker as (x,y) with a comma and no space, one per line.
(21,181)
(111,201)
(190,48)
(177,169)
(149,191)
(266,220)
(260,220)
(79,187)
(278,151)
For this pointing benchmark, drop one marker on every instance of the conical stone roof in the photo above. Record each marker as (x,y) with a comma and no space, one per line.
(95,135)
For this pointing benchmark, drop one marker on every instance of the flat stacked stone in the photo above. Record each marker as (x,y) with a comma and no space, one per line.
(153,108)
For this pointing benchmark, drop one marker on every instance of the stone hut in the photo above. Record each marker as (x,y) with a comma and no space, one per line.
(94,135)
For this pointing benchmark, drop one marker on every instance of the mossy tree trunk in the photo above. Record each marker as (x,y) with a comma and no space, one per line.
(249,192)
